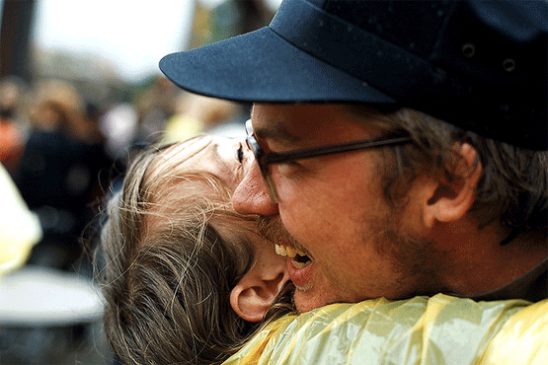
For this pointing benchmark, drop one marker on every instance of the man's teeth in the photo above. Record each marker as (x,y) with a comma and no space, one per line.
(280,250)
(288,251)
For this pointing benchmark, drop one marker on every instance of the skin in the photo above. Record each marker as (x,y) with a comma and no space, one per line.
(216,155)
(333,208)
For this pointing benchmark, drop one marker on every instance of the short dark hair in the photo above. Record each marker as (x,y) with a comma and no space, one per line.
(513,188)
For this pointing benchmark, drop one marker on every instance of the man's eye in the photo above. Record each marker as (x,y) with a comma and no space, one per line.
(240,154)
(289,168)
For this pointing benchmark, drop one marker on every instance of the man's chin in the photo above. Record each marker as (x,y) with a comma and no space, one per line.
(306,301)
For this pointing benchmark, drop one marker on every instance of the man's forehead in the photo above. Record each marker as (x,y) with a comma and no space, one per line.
(297,122)
(270,124)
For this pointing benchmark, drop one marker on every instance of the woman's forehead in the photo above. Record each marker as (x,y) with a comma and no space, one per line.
(185,151)
(203,154)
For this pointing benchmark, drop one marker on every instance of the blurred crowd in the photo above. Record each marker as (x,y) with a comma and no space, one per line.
(65,153)
(65,148)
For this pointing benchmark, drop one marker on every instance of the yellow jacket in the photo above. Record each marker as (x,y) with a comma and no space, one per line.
(438,330)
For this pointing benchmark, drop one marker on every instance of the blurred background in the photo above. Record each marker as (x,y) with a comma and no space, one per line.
(80,92)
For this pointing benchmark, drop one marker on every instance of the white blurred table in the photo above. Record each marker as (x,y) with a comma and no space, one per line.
(36,296)
(50,317)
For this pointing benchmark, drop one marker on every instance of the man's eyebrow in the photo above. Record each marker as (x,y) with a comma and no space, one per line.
(277,134)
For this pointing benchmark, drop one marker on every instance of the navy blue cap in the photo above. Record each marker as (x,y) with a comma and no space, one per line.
(480,65)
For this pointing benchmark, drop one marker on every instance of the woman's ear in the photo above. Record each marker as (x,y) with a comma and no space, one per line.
(252,296)
(451,200)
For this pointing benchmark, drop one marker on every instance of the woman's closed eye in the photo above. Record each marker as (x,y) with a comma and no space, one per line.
(240,153)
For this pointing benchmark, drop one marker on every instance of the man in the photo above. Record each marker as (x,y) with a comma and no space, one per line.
(401,146)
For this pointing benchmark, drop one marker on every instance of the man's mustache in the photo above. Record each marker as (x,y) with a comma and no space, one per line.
(273,229)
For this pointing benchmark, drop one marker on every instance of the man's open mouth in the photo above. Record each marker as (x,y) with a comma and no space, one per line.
(299,257)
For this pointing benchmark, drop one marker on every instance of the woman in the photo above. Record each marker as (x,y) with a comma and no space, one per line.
(186,279)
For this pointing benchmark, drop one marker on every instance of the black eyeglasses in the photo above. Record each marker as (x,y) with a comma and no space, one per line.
(265,159)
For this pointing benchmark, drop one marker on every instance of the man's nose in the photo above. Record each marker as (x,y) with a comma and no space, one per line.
(251,195)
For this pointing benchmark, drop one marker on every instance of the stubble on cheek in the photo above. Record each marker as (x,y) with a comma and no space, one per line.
(307,301)
(413,259)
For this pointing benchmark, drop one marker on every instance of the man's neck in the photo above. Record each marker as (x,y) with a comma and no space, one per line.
(532,286)
(485,269)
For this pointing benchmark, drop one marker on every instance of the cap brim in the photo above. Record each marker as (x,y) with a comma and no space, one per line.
(263,67)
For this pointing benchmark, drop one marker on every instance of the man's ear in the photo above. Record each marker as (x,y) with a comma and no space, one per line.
(451,200)
(252,296)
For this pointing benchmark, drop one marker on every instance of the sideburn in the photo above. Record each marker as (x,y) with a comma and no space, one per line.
(415,258)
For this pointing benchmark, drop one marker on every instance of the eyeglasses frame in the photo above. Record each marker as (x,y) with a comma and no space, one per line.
(265,159)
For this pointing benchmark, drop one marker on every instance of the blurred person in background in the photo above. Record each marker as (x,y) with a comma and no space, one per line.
(233,17)
(154,106)
(101,162)
(58,170)
(12,92)
(118,124)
